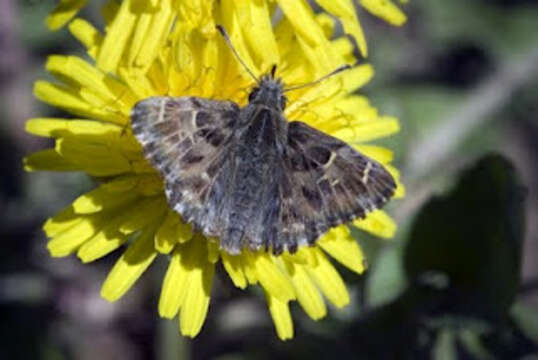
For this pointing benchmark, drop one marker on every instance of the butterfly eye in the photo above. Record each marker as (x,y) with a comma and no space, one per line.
(253,94)
(283,101)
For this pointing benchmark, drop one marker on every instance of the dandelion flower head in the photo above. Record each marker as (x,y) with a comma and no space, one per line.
(165,47)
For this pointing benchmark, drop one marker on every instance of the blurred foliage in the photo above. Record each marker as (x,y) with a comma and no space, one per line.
(473,237)
(448,287)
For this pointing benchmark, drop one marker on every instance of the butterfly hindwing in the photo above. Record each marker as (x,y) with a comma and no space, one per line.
(187,139)
(325,183)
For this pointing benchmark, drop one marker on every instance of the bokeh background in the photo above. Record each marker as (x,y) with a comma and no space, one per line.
(458,281)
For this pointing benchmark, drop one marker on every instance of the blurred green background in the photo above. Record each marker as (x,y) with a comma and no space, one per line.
(459,280)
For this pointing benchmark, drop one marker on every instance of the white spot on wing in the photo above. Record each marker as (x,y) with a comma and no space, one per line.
(161,111)
(366,172)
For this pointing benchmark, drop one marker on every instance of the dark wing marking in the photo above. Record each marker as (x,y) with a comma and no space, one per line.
(324,183)
(188,140)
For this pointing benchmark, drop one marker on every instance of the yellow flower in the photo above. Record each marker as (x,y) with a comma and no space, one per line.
(64,12)
(343,9)
(172,48)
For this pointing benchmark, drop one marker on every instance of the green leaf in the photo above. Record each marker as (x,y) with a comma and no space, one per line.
(526,317)
(445,347)
(385,280)
(474,236)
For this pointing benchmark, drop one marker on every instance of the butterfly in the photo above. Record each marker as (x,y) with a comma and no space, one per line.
(249,177)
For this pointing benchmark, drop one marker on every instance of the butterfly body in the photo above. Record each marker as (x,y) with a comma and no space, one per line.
(249,177)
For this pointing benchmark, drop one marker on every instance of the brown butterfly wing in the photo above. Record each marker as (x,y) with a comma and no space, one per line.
(324,183)
(189,140)
(317,183)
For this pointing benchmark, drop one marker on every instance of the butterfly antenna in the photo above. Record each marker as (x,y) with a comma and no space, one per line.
(229,43)
(332,73)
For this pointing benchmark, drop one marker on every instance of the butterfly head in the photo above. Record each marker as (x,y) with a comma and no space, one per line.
(269,92)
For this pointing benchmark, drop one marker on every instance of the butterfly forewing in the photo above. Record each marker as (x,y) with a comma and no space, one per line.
(188,140)
(331,184)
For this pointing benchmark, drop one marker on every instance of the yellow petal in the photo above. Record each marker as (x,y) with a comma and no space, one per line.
(102,198)
(328,280)
(344,47)
(345,11)
(142,213)
(155,36)
(110,135)
(166,236)
(280,312)
(320,96)
(213,253)
(122,184)
(65,97)
(113,235)
(175,286)
(340,245)
(110,91)
(377,223)
(386,10)
(380,154)
(303,256)
(109,10)
(300,15)
(400,187)
(327,23)
(197,14)
(159,72)
(149,185)
(58,95)
(73,68)
(139,84)
(211,65)
(130,266)
(184,232)
(307,293)
(293,67)
(316,95)
(353,105)
(116,38)
(142,166)
(366,132)
(184,57)
(336,114)
(64,12)
(310,35)
(48,160)
(57,127)
(320,57)
(140,30)
(95,159)
(274,281)
(61,221)
(234,267)
(232,25)
(255,22)
(103,243)
(65,242)
(87,34)
(357,77)
(196,303)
